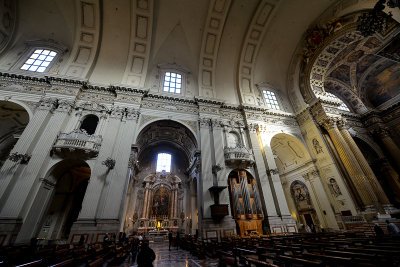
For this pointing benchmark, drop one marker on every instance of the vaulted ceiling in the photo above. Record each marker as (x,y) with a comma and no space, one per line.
(227,47)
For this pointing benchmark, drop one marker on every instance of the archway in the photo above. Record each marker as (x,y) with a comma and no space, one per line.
(70,179)
(382,169)
(302,186)
(161,199)
(13,120)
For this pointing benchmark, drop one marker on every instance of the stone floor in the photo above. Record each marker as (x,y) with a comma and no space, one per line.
(173,257)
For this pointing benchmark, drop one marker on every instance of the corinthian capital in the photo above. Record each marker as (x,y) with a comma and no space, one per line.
(47,103)
(381,132)
(341,123)
(328,123)
(132,114)
(65,105)
(204,122)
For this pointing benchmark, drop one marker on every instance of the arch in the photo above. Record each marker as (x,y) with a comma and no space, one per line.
(49,211)
(142,127)
(22,104)
(289,152)
(188,147)
(14,119)
(89,124)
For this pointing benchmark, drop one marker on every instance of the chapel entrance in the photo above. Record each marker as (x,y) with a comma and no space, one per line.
(71,180)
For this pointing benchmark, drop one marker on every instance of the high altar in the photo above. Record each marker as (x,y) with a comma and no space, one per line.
(160,205)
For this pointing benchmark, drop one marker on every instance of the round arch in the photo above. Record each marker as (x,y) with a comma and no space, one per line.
(143,127)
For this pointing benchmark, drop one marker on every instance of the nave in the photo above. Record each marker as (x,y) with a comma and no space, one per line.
(306,249)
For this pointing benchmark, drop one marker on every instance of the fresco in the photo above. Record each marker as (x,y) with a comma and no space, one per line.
(364,64)
(341,73)
(160,202)
(355,56)
(383,85)
(343,53)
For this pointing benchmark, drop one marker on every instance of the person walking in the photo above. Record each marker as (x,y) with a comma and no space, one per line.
(392,228)
(170,239)
(378,230)
(177,240)
(146,256)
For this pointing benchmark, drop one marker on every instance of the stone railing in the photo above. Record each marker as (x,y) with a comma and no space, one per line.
(239,156)
(353,219)
(78,141)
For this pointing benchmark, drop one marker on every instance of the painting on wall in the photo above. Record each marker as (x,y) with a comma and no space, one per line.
(160,202)
(384,85)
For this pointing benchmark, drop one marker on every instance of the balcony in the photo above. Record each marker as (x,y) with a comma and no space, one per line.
(239,157)
(78,142)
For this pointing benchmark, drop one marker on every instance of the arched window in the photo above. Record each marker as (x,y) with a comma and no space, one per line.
(39,60)
(172,82)
(270,100)
(89,124)
(342,106)
(163,162)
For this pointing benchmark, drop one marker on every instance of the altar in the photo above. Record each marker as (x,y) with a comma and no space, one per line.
(158,235)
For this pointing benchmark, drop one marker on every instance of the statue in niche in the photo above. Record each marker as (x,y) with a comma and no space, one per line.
(301,195)
(334,187)
(317,147)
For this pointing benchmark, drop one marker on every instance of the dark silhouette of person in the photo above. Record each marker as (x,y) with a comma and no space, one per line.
(170,239)
(177,240)
(81,240)
(146,256)
(378,230)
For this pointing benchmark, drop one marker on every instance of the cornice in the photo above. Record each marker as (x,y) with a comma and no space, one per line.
(208,101)
(169,98)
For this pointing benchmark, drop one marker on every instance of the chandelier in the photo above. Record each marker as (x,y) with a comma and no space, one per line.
(376,20)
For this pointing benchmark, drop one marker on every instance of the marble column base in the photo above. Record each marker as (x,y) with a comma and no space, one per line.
(93,230)
(9,229)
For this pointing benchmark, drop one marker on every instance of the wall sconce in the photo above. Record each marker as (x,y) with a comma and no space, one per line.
(109,163)
(22,158)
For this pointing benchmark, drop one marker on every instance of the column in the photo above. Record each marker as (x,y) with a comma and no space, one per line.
(389,144)
(218,138)
(115,194)
(29,187)
(11,170)
(206,179)
(392,178)
(363,163)
(268,202)
(354,170)
(91,201)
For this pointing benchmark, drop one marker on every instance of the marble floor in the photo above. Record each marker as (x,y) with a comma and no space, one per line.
(174,257)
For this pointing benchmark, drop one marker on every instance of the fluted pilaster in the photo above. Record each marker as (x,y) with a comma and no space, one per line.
(389,144)
(354,170)
(381,195)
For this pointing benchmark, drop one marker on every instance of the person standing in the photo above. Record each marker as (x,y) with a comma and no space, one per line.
(146,256)
(392,228)
(170,239)
(177,240)
(378,230)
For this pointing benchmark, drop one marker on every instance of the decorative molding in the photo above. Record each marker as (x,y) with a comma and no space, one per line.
(8,13)
(213,28)
(140,42)
(87,38)
(109,163)
(250,47)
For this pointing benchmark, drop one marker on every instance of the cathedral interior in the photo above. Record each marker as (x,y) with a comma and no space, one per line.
(208,118)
